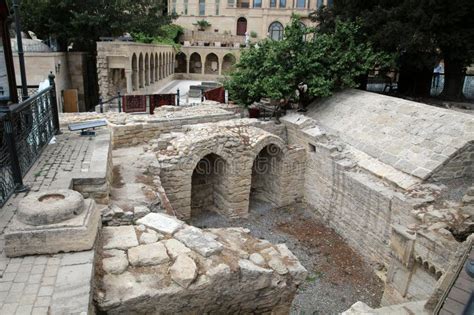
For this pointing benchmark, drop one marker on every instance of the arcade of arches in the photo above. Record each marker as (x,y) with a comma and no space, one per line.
(134,68)
(222,167)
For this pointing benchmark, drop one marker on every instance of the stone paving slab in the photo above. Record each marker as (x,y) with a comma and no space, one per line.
(49,284)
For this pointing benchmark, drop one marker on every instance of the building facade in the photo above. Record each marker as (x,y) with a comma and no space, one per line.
(260,18)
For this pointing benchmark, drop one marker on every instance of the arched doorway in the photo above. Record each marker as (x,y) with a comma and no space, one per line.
(195,63)
(208,187)
(181,61)
(266,175)
(227,63)
(141,73)
(275,31)
(160,65)
(134,72)
(241,26)
(211,65)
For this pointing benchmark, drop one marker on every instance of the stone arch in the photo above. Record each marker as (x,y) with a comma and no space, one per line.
(152,68)
(228,62)
(134,72)
(147,70)
(181,63)
(211,65)
(195,63)
(157,67)
(141,73)
(209,188)
(265,184)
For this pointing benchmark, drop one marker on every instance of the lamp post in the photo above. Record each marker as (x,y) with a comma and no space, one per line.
(8,92)
(21,54)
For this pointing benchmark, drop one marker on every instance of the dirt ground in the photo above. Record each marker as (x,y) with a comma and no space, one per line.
(338,277)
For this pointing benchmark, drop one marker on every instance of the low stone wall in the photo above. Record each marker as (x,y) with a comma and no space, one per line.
(164,266)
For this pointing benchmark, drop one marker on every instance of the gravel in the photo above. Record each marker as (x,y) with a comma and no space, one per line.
(338,277)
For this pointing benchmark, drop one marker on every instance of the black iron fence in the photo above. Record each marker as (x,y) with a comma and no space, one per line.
(25,130)
(383,84)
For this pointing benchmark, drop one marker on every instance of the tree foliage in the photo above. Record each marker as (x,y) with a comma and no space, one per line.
(421,32)
(82,23)
(325,62)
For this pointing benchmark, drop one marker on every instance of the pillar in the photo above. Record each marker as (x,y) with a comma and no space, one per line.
(128,77)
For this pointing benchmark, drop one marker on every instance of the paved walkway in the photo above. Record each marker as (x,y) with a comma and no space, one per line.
(48,284)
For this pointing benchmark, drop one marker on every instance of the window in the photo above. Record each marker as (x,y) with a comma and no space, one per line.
(243,3)
(174,7)
(202,7)
(217,6)
(300,3)
(320,3)
(257,3)
(230,3)
(185,7)
(273,3)
(282,3)
(330,3)
(275,31)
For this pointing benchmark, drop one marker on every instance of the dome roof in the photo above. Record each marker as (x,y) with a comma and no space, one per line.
(31,45)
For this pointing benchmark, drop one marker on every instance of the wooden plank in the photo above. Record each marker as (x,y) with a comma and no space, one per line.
(71,101)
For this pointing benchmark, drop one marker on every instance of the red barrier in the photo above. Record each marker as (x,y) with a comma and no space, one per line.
(158,100)
(134,103)
(217,95)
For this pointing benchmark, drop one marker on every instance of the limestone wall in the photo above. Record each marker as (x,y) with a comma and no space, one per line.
(460,165)
(357,206)
(412,137)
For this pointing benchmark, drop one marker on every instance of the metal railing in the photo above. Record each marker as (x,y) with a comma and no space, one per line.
(25,130)
(32,89)
(383,84)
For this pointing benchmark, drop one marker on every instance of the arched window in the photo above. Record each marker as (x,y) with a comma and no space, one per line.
(275,31)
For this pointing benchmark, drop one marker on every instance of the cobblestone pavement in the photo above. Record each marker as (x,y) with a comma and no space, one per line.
(48,284)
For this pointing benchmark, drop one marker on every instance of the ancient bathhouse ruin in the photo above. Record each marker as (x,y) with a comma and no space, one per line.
(393,178)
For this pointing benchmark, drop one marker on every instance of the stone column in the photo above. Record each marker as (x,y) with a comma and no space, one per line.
(128,77)
(221,61)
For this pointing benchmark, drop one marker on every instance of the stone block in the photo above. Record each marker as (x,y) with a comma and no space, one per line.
(202,243)
(161,222)
(75,234)
(184,270)
(120,237)
(148,255)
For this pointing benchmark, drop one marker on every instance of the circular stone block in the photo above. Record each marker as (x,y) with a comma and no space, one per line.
(50,207)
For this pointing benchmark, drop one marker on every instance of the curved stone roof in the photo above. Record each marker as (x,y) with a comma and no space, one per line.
(31,45)
(415,138)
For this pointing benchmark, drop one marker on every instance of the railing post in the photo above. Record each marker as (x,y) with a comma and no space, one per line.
(15,162)
(54,103)
(101,105)
(177,97)
(119,102)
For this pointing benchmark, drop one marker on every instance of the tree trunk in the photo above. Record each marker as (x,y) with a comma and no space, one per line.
(415,76)
(454,75)
(415,82)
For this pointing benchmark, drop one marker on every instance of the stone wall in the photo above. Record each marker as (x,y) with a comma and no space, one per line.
(164,266)
(343,196)
(460,165)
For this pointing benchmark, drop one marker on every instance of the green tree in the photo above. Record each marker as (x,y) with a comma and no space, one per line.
(82,23)
(325,62)
(420,32)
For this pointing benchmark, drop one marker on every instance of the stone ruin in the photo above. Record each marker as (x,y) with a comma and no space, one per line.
(394,178)
(164,266)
